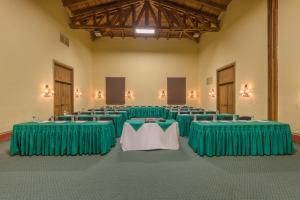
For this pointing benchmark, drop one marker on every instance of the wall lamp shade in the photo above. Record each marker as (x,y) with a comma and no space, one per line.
(100,95)
(78,93)
(212,93)
(163,94)
(47,92)
(245,91)
(129,94)
(192,94)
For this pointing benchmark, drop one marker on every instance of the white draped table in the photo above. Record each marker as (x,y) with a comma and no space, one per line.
(150,136)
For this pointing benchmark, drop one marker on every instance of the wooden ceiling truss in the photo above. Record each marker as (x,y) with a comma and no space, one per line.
(168,18)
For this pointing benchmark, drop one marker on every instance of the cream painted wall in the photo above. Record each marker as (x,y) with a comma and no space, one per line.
(28,44)
(289,63)
(243,40)
(146,64)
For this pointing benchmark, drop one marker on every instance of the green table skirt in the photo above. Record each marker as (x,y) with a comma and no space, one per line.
(118,120)
(240,139)
(58,139)
(184,121)
(147,112)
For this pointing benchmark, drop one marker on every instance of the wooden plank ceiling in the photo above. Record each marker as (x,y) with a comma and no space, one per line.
(170,18)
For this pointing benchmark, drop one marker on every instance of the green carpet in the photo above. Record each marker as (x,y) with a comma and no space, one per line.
(149,175)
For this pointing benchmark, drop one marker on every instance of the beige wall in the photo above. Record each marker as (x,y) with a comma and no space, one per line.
(242,39)
(289,63)
(146,64)
(28,44)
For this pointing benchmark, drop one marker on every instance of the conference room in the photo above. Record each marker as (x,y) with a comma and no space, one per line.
(149,99)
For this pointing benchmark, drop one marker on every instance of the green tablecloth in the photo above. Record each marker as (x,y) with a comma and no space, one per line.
(166,124)
(117,120)
(240,138)
(184,121)
(172,114)
(57,139)
(137,124)
(147,112)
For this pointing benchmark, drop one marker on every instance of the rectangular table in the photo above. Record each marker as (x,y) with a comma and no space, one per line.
(241,138)
(149,136)
(118,120)
(185,120)
(58,139)
(147,112)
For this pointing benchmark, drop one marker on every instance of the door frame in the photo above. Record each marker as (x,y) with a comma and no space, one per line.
(56,62)
(234,85)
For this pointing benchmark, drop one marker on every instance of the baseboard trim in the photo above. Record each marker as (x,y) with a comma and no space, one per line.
(5,136)
(296,137)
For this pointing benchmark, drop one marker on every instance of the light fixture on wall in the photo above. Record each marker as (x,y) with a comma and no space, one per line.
(212,93)
(162,94)
(245,91)
(47,92)
(129,94)
(78,93)
(192,94)
(100,95)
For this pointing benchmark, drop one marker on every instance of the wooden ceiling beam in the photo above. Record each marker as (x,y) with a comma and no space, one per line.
(105,7)
(191,11)
(103,27)
(68,3)
(213,4)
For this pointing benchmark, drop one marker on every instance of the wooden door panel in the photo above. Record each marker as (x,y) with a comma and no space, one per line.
(226,90)
(223,99)
(231,97)
(63,90)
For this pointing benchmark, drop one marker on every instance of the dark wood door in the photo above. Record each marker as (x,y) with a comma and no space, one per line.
(226,89)
(63,90)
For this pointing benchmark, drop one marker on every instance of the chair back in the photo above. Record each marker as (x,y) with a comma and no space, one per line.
(184,112)
(197,112)
(227,118)
(211,112)
(206,118)
(248,118)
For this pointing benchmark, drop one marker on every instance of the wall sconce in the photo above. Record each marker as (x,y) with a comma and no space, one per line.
(245,91)
(129,94)
(100,95)
(47,92)
(212,93)
(192,94)
(78,93)
(163,94)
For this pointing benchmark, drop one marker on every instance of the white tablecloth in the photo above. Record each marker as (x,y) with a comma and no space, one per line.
(150,136)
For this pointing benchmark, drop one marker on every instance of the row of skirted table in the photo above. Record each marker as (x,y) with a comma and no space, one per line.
(149,112)
(205,137)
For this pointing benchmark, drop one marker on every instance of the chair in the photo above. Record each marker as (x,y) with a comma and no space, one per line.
(227,118)
(208,118)
(99,113)
(88,118)
(246,118)
(198,112)
(211,112)
(184,112)
(85,113)
(106,119)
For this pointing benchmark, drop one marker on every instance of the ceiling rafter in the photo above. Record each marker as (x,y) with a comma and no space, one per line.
(213,4)
(119,18)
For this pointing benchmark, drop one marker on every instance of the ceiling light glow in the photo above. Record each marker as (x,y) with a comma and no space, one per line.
(145,31)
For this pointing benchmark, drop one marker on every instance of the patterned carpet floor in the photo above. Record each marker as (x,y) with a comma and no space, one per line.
(149,175)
